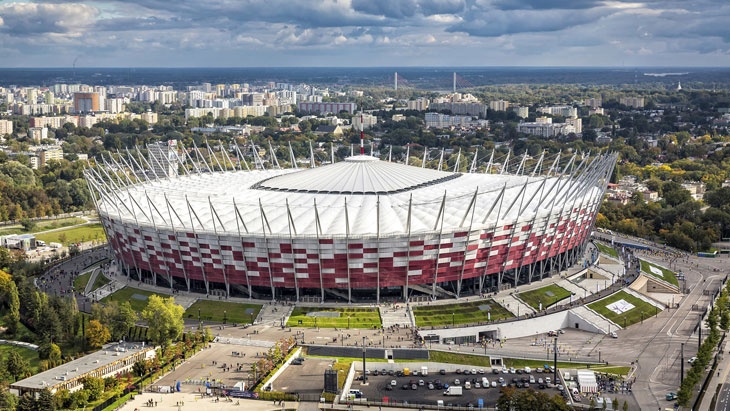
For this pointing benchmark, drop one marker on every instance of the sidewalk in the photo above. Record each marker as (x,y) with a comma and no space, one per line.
(718,378)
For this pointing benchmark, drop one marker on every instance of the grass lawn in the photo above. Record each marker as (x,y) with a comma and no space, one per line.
(136,297)
(30,356)
(326,317)
(548,296)
(459,358)
(100,282)
(43,225)
(89,232)
(81,281)
(606,250)
(464,313)
(535,364)
(641,309)
(219,311)
(666,275)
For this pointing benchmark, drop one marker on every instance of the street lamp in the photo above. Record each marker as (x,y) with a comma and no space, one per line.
(364,374)
(453,321)
(225,316)
(198,314)
(348,322)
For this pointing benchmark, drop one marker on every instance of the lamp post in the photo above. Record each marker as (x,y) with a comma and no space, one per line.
(225,316)
(453,321)
(364,349)
(198,314)
(348,322)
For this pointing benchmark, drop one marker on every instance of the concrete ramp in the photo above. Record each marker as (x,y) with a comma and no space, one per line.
(656,285)
(514,305)
(591,320)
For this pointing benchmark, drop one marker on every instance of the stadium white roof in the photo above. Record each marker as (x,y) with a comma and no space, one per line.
(359,196)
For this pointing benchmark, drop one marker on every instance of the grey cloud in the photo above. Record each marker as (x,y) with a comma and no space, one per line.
(388,8)
(495,23)
(32,18)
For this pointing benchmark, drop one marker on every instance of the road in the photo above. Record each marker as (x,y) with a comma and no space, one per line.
(723,399)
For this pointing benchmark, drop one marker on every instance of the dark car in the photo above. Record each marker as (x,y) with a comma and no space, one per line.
(297,361)
(442,371)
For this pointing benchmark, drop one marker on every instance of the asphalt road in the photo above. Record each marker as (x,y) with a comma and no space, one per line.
(723,398)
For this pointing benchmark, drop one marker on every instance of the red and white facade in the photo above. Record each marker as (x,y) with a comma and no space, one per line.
(357,228)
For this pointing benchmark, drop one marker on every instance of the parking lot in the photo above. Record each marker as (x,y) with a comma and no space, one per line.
(305,378)
(415,389)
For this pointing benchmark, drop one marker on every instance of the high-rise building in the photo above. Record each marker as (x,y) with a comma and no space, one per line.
(499,105)
(86,102)
(6,127)
(635,102)
(522,112)
(163,158)
(38,133)
(368,120)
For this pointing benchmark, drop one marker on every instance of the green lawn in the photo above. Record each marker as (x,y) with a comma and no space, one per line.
(327,317)
(667,275)
(30,356)
(81,281)
(223,311)
(100,281)
(606,250)
(43,225)
(136,297)
(89,232)
(459,358)
(641,309)
(548,296)
(455,314)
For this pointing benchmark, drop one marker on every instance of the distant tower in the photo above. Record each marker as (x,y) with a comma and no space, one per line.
(454,82)
(679,86)
(362,135)
(396,81)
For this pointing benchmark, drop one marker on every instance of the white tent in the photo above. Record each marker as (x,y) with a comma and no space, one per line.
(587,381)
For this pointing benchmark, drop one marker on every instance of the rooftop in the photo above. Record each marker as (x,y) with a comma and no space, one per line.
(80,367)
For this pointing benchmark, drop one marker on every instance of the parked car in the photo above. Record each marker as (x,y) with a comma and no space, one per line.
(393,383)
(671,396)
(692,360)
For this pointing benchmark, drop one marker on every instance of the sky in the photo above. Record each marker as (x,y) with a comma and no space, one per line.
(359,33)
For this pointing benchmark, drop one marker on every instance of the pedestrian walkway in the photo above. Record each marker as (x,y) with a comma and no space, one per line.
(513,305)
(395,315)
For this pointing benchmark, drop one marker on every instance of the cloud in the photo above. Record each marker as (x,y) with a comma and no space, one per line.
(33,18)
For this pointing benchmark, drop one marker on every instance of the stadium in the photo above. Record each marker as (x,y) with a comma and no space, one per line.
(362,229)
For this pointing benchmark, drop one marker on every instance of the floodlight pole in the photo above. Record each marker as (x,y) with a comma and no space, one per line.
(364,375)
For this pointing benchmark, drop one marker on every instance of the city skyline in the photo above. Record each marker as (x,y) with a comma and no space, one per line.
(278,33)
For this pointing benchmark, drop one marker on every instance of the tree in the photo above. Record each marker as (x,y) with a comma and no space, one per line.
(27,403)
(9,299)
(94,387)
(97,334)
(51,352)
(16,365)
(164,319)
(140,368)
(8,401)
(45,401)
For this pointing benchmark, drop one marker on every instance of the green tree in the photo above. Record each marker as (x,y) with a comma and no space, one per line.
(625,407)
(94,387)
(140,368)
(97,334)
(45,401)
(10,300)
(51,352)
(164,319)
(27,403)
(15,364)
(8,401)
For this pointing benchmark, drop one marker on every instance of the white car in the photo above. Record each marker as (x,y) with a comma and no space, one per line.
(692,360)
(393,383)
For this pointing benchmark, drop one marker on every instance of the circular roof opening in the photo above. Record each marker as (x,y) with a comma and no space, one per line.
(356,175)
